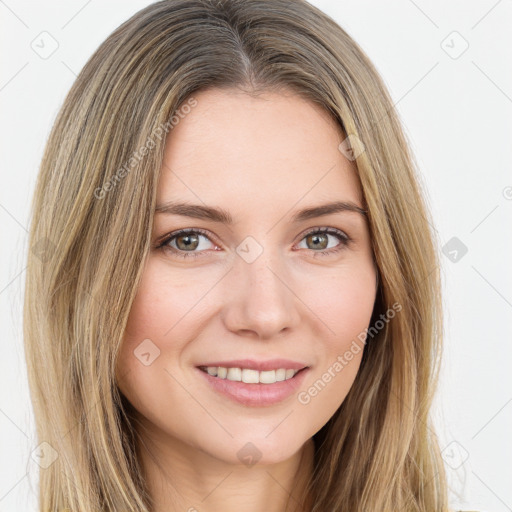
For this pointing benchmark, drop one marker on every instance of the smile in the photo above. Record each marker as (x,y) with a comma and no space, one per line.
(251,387)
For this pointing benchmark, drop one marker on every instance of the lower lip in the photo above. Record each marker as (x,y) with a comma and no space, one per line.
(256,395)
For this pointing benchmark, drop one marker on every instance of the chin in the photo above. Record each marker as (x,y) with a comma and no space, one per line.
(259,448)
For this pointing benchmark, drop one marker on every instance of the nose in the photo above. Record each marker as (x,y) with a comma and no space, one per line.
(261,300)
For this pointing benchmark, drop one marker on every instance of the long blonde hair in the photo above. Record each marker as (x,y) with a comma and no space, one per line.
(90,232)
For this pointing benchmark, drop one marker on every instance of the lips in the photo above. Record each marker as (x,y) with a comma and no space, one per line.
(255,394)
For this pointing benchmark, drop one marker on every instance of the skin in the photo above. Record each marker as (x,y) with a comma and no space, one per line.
(262,159)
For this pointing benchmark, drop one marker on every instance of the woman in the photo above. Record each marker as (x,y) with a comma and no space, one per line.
(198,353)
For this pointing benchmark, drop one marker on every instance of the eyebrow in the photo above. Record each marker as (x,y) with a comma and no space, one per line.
(224,217)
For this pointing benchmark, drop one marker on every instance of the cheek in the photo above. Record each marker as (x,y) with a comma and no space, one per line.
(343,303)
(148,367)
(154,322)
(164,299)
(344,307)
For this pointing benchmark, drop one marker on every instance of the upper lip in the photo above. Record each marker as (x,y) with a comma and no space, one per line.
(251,364)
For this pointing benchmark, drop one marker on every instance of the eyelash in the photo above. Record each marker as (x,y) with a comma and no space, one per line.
(162,244)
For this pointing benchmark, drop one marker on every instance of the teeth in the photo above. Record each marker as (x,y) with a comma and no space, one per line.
(250,376)
(280,374)
(268,377)
(289,374)
(234,374)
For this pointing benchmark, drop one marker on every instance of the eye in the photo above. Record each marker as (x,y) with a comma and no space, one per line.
(184,242)
(318,238)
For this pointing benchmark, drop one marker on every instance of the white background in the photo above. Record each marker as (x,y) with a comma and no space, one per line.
(457,113)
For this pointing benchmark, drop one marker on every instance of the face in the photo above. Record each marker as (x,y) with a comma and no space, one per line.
(269,285)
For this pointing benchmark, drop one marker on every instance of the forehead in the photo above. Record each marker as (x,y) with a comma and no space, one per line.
(259,151)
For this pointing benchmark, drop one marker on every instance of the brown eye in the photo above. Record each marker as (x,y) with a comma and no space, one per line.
(318,241)
(187,242)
